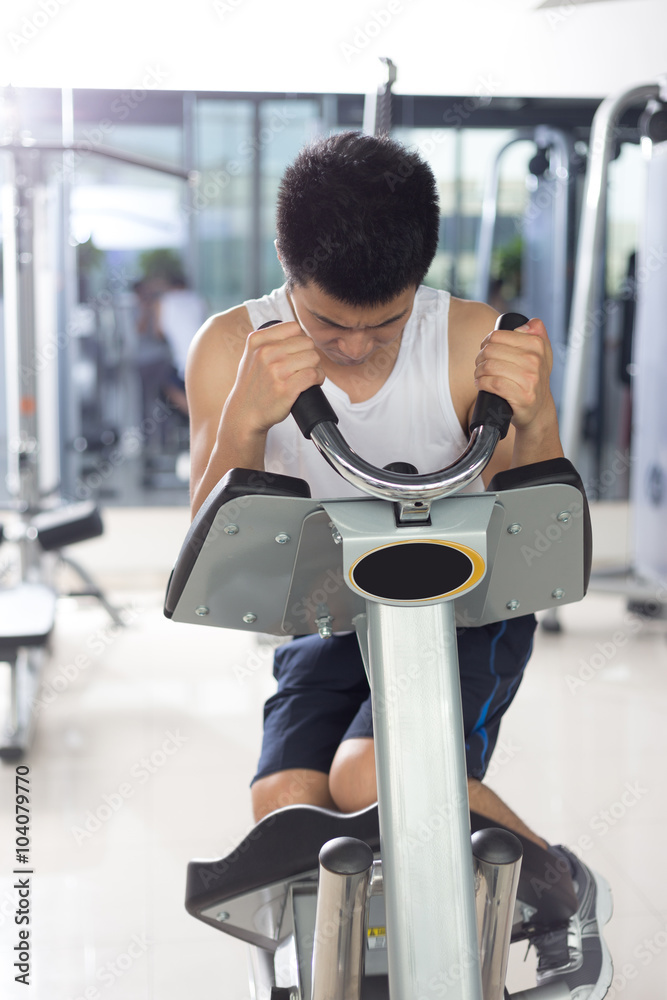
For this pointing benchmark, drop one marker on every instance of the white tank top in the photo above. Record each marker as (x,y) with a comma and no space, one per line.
(411,418)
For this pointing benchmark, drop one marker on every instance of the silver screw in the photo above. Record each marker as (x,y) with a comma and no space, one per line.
(336,535)
(231,529)
(282,538)
(249,618)
(324,626)
(564,516)
(512,605)
(514,529)
(222,916)
(558,593)
(202,610)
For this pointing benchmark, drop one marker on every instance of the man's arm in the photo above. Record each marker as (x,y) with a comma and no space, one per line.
(513,364)
(239,383)
(516,364)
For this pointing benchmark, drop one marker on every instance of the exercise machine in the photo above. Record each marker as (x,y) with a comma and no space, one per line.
(644,581)
(402,909)
(40,345)
(546,231)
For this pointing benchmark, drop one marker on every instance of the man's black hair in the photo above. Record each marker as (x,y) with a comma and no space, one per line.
(357,215)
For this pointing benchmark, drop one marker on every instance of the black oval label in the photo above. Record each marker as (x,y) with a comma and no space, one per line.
(417,571)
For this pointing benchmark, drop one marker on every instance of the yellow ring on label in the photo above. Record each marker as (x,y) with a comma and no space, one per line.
(476,574)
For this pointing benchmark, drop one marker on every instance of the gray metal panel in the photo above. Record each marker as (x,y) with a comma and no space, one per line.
(246,572)
(365,527)
(319,587)
(528,567)
(287,586)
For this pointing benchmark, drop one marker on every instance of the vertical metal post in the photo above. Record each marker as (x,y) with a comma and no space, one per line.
(586,316)
(190,127)
(497,863)
(487,226)
(255,270)
(338,951)
(423,803)
(69,417)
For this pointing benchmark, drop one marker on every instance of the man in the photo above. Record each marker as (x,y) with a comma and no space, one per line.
(357,229)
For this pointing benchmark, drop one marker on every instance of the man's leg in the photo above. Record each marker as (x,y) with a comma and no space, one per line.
(296,786)
(352,786)
(320,688)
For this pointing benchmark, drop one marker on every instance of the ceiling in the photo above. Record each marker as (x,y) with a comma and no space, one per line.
(476,47)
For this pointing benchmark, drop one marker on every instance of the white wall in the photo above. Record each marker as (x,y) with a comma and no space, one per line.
(500,47)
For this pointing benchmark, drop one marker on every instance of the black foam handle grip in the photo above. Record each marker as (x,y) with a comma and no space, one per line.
(490,409)
(310,408)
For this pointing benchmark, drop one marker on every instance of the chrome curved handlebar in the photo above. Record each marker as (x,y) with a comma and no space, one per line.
(397,485)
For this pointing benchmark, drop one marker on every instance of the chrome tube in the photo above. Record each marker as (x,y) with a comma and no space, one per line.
(338,950)
(489,214)
(423,803)
(399,486)
(585,296)
(496,863)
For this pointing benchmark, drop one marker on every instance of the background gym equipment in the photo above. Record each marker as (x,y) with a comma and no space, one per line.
(644,580)
(545,232)
(402,569)
(38,383)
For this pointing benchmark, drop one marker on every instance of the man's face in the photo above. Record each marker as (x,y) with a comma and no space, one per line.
(350,335)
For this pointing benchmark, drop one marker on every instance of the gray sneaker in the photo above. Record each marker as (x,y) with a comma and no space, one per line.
(576,955)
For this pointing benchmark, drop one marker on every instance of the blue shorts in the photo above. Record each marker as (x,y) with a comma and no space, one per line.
(323,696)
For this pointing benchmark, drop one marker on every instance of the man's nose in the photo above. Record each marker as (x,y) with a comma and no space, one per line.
(355,344)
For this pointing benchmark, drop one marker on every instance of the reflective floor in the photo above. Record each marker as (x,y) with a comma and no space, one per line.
(148,735)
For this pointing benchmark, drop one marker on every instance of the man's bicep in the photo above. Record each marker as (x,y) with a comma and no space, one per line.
(209,379)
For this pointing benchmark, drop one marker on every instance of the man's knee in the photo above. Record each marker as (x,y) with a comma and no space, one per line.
(296,786)
(352,777)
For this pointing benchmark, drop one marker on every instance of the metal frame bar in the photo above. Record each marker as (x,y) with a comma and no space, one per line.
(586,292)
(423,801)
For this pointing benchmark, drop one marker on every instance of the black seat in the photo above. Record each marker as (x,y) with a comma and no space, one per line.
(282,846)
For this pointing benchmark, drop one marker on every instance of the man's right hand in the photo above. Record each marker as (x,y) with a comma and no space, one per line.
(278,364)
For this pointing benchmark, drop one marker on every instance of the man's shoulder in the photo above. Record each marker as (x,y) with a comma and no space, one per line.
(468,318)
(469,323)
(215,354)
(223,333)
